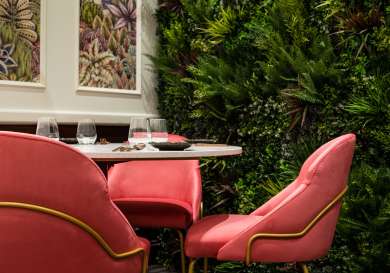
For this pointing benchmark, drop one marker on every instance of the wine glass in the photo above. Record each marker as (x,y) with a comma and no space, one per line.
(48,127)
(158,130)
(139,131)
(86,131)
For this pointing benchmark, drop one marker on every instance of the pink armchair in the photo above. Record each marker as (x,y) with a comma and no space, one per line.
(56,214)
(297,225)
(158,193)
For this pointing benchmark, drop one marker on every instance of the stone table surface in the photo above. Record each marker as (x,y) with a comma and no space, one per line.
(105,152)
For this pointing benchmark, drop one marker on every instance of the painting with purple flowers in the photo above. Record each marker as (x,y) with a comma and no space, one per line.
(108,44)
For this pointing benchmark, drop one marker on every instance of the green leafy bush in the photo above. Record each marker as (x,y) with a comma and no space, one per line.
(280,78)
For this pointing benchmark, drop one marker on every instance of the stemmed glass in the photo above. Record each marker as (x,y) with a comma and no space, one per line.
(48,127)
(86,131)
(139,131)
(158,130)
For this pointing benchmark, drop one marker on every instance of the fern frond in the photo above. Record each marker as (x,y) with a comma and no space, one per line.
(376,102)
(219,29)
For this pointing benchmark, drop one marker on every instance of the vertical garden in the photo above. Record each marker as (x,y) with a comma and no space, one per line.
(279,78)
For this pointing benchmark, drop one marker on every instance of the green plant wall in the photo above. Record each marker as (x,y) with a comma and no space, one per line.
(279,78)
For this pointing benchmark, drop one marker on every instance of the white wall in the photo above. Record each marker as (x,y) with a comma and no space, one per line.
(59,97)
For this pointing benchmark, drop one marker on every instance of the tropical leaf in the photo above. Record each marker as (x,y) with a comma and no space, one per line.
(18,15)
(219,29)
(375,103)
(95,67)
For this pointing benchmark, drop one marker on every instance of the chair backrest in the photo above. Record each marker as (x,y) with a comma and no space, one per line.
(332,178)
(36,171)
(176,138)
(322,178)
(173,179)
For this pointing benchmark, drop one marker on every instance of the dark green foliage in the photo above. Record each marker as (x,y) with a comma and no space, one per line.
(280,78)
(371,108)
(218,87)
(366,217)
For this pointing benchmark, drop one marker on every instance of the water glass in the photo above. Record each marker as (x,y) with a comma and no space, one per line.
(48,127)
(139,131)
(86,131)
(158,130)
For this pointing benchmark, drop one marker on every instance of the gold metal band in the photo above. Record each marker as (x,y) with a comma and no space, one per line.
(182,255)
(291,235)
(85,227)
(303,267)
(192,265)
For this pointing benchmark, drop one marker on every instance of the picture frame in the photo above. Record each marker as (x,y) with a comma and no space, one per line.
(81,53)
(29,39)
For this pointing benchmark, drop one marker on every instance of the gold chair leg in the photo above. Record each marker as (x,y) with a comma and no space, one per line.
(145,265)
(182,255)
(304,268)
(205,265)
(192,265)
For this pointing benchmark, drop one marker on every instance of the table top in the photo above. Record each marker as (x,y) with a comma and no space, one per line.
(104,152)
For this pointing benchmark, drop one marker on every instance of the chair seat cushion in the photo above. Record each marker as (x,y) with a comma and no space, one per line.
(207,236)
(156,212)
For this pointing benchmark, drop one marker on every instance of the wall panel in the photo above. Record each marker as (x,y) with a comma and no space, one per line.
(59,97)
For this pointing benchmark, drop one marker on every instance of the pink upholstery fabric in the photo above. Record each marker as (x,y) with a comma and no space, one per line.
(212,232)
(157,193)
(323,176)
(145,244)
(176,138)
(273,202)
(140,211)
(47,173)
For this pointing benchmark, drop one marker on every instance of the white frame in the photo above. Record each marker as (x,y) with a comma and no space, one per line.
(42,58)
(137,91)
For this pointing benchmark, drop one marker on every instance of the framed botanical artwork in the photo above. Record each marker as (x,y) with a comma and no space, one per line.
(109,46)
(22,43)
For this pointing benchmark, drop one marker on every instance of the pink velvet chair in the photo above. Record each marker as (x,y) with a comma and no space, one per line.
(56,214)
(158,193)
(297,225)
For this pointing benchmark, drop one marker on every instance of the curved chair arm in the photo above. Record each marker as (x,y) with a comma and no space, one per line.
(85,227)
(291,235)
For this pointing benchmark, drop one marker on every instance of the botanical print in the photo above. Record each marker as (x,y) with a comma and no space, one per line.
(108,44)
(20,40)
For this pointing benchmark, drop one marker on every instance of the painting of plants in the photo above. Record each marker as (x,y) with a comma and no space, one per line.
(108,31)
(20,40)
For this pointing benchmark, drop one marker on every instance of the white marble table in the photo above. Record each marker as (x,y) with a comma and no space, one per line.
(105,152)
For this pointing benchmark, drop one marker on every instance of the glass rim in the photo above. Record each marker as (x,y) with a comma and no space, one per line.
(138,118)
(87,119)
(47,118)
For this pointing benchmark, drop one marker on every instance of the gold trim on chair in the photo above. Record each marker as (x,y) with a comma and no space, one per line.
(182,255)
(192,265)
(99,239)
(303,268)
(201,210)
(291,235)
